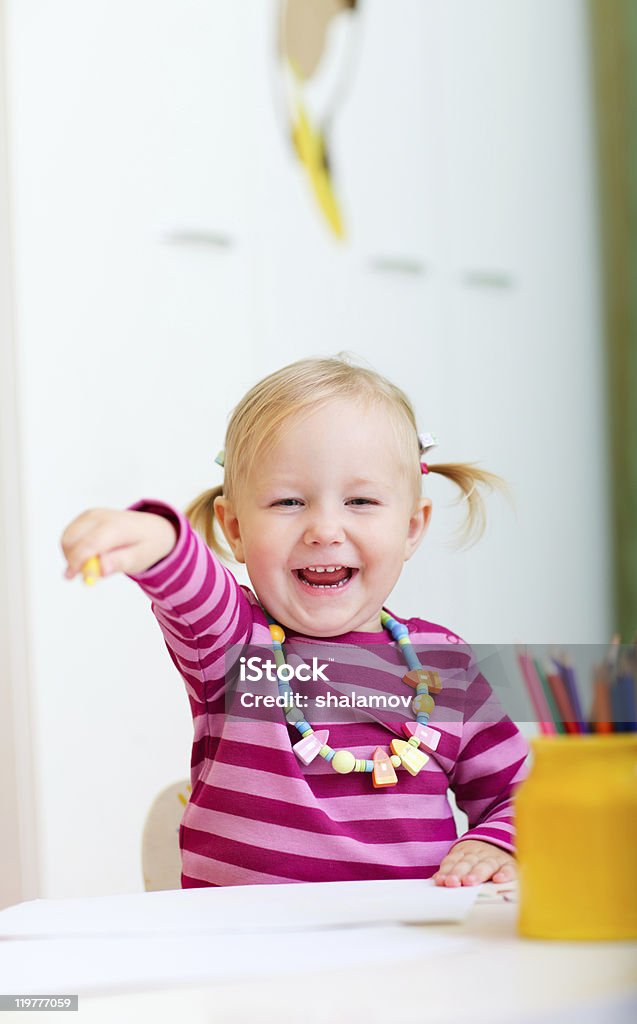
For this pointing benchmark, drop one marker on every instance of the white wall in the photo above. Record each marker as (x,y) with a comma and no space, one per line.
(465,145)
(18,864)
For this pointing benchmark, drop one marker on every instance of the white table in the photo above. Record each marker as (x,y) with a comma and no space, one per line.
(495,976)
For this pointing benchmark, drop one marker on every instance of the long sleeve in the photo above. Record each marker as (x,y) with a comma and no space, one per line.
(200,607)
(490,764)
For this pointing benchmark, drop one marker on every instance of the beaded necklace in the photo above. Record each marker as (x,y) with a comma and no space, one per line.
(382,765)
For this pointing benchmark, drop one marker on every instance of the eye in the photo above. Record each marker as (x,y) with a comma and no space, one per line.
(286,502)
(363,501)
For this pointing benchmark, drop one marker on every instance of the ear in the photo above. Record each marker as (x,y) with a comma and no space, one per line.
(227,519)
(418,524)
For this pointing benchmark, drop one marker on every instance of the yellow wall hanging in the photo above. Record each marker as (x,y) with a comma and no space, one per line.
(315,44)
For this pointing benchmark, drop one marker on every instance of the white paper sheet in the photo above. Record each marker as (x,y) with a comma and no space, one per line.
(134,963)
(240,909)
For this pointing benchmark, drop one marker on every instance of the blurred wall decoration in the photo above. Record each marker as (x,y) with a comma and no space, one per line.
(614,42)
(316,43)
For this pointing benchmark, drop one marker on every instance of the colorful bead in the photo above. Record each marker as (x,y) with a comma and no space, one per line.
(383,773)
(277,634)
(422,702)
(279,657)
(427,737)
(435,683)
(416,677)
(410,758)
(343,762)
(308,748)
(389,622)
(413,663)
(395,760)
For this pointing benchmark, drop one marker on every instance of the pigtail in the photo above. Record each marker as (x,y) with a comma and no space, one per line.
(201,515)
(470,479)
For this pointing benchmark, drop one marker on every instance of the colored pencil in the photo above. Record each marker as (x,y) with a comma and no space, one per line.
(534,690)
(567,715)
(567,673)
(555,696)
(550,700)
(601,716)
(627,706)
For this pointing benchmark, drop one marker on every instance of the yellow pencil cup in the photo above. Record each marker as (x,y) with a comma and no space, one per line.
(576,821)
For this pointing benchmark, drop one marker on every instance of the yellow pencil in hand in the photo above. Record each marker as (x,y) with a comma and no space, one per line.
(91,570)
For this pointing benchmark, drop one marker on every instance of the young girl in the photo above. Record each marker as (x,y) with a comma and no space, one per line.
(321,499)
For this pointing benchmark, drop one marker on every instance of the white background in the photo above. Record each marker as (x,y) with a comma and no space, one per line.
(464,145)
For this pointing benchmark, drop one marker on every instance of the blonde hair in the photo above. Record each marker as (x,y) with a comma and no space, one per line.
(262,416)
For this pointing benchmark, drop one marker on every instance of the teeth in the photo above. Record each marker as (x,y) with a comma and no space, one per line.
(327,586)
(324,569)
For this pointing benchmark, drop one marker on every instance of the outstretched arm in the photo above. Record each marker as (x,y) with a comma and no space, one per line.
(200,607)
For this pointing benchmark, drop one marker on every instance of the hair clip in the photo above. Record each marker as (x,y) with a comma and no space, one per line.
(427,441)
(221,458)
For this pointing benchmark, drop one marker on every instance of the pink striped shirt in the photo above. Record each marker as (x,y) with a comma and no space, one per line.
(256,813)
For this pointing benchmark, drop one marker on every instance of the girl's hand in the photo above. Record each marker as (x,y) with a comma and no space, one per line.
(471,861)
(124,541)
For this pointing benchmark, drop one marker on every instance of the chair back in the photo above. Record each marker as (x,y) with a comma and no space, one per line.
(161,859)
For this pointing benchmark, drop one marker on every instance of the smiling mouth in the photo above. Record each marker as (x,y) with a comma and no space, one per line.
(325,579)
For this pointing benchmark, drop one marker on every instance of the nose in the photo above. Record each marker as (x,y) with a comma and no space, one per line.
(325,527)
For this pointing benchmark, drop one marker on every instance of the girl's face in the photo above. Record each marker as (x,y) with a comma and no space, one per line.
(330,494)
